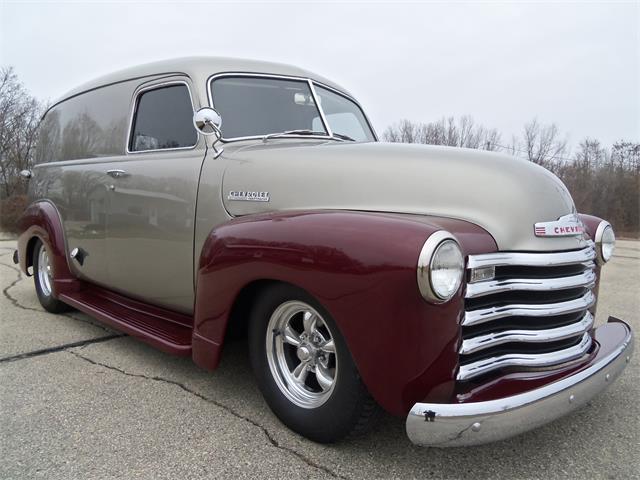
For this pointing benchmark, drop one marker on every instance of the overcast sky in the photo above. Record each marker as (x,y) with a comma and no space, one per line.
(576,64)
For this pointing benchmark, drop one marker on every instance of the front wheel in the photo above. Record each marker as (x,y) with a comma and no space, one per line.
(43,279)
(304,368)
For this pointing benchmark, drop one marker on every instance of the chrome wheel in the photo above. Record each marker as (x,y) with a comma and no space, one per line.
(301,354)
(44,272)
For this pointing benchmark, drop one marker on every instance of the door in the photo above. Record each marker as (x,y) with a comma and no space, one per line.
(152,199)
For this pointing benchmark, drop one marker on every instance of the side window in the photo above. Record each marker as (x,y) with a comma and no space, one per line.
(90,125)
(163,119)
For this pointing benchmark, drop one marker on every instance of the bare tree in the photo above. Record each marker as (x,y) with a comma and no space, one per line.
(403,132)
(463,132)
(606,183)
(627,155)
(19,118)
(541,144)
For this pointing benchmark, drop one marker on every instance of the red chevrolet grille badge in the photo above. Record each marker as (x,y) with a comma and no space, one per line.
(566,226)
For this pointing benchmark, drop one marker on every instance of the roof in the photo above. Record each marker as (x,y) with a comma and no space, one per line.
(198,68)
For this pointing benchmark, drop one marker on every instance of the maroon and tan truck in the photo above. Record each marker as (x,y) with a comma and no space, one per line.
(189,200)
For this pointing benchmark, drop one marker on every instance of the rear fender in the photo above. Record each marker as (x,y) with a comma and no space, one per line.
(41,220)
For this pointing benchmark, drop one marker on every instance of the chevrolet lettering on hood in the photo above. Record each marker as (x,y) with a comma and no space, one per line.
(566,226)
(249,196)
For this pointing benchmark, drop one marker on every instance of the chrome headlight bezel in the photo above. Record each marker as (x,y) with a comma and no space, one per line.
(605,240)
(426,259)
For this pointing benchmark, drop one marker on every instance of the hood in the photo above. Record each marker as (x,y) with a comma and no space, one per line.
(501,194)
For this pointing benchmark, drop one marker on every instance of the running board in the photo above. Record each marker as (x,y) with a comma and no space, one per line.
(163,329)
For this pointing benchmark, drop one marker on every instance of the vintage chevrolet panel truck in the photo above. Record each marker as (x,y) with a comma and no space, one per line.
(183,200)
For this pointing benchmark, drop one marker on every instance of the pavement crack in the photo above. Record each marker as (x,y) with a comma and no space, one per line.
(59,348)
(272,440)
(5,290)
(14,301)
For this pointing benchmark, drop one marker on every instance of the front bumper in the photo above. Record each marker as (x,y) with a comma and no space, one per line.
(474,423)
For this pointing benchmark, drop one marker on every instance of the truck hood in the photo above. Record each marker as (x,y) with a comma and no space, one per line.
(502,194)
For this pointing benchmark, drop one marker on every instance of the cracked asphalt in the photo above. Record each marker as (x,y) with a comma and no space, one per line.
(79,400)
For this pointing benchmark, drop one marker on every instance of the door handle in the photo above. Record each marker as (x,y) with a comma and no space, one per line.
(116,173)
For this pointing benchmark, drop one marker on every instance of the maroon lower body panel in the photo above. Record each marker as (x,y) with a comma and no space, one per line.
(166,330)
(206,352)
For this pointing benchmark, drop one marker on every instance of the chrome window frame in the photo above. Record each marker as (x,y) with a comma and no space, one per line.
(134,110)
(311,82)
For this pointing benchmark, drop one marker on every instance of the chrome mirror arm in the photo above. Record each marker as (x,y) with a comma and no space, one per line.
(217,151)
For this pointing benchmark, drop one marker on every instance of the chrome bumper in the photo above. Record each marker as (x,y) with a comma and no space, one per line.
(462,424)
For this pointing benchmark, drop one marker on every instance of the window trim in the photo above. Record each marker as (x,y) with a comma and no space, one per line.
(311,82)
(134,110)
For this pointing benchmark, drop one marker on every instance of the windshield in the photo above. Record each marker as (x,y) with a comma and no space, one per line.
(344,116)
(260,106)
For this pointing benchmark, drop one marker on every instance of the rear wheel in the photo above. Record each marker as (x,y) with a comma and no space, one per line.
(43,279)
(304,368)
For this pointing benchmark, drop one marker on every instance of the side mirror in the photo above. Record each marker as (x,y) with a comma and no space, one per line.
(207,121)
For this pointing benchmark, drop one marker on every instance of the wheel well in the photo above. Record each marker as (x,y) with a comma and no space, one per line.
(29,253)
(238,322)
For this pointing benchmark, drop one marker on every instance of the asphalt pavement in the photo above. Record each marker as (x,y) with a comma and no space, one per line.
(79,400)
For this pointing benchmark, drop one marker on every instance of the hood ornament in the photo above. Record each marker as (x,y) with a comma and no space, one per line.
(566,226)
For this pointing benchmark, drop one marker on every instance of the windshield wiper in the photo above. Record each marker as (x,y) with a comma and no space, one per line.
(294,132)
(342,136)
(336,136)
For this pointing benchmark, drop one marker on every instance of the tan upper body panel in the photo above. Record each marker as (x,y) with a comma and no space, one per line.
(504,195)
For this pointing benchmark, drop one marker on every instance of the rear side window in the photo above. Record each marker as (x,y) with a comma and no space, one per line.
(163,119)
(90,125)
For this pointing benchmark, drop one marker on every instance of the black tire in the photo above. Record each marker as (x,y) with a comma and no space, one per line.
(45,295)
(349,409)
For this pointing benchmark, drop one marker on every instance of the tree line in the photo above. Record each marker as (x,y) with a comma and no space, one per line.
(604,181)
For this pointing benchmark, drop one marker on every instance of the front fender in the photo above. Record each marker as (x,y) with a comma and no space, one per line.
(362,267)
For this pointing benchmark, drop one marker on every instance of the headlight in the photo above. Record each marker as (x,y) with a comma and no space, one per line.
(605,242)
(440,267)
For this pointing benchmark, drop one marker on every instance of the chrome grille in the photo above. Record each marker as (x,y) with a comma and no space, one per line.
(533,314)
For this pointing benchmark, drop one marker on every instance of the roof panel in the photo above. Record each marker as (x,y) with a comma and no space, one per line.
(198,68)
